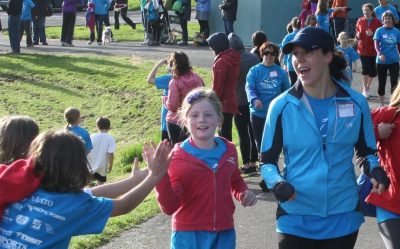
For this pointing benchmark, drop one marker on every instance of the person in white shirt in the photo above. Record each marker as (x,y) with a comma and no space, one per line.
(102,156)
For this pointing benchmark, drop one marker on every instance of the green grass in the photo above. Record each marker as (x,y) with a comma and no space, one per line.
(125,33)
(42,86)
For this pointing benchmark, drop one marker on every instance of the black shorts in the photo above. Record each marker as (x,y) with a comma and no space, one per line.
(368,64)
(99,177)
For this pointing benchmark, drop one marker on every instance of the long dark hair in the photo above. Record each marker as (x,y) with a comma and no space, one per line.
(16,134)
(179,62)
(337,66)
(61,158)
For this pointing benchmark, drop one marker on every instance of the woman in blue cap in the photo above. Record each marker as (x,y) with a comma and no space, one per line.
(319,124)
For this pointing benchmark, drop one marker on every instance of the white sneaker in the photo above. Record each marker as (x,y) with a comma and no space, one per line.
(365,94)
(90,42)
(145,42)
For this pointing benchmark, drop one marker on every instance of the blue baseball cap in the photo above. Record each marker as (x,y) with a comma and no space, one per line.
(310,38)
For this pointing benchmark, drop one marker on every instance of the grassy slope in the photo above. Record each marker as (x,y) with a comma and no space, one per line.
(42,86)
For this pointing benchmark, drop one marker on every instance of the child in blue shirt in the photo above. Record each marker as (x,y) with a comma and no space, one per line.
(350,55)
(73,117)
(60,208)
(161,82)
(26,22)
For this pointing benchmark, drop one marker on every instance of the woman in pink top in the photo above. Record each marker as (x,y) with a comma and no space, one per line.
(183,81)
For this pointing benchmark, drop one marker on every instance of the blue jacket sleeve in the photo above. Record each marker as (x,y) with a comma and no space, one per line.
(251,81)
(271,146)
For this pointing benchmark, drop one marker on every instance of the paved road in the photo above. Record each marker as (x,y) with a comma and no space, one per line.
(255,225)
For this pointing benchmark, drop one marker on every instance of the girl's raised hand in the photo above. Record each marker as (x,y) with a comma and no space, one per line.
(248,198)
(136,172)
(157,157)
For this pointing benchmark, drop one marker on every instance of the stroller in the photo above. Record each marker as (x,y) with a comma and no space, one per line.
(166,36)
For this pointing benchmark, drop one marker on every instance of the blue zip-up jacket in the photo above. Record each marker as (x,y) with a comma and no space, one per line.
(321,171)
(265,83)
(101,7)
(203,5)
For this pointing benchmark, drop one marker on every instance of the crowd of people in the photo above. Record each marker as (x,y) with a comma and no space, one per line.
(293,99)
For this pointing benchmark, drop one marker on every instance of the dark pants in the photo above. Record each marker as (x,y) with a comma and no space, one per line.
(99,26)
(14,23)
(155,30)
(26,25)
(248,147)
(258,128)
(204,28)
(382,75)
(68,26)
(176,133)
(128,21)
(183,22)
(288,241)
(164,135)
(39,30)
(338,24)
(390,233)
(228,27)
(226,127)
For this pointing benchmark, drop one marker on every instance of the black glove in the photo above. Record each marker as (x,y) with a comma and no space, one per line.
(380,176)
(283,191)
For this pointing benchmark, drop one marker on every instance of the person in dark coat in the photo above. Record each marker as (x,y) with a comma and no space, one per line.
(14,22)
(226,70)
(122,6)
(38,21)
(228,11)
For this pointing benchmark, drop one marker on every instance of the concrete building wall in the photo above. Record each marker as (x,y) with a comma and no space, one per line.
(270,16)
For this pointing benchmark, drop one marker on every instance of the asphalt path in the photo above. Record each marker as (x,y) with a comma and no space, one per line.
(255,226)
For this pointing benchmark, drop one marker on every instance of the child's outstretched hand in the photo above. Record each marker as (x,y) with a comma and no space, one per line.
(248,198)
(157,157)
(136,172)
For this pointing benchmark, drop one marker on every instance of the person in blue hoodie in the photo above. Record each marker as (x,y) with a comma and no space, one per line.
(26,22)
(319,123)
(101,13)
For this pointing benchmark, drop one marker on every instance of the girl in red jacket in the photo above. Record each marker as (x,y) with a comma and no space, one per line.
(17,177)
(202,177)
(387,123)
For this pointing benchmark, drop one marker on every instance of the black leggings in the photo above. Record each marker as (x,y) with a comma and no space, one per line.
(204,28)
(176,133)
(382,75)
(226,128)
(390,233)
(288,241)
(248,147)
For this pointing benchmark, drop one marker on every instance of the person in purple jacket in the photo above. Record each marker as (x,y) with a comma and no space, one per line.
(68,22)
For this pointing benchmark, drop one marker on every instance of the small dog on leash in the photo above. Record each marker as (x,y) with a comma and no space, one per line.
(106,36)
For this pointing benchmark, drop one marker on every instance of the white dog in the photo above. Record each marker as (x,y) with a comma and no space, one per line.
(106,36)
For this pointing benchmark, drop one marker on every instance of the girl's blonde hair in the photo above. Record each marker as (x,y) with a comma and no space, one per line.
(195,96)
(395,99)
(343,33)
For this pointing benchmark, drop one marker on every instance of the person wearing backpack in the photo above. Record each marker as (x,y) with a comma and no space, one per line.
(153,16)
